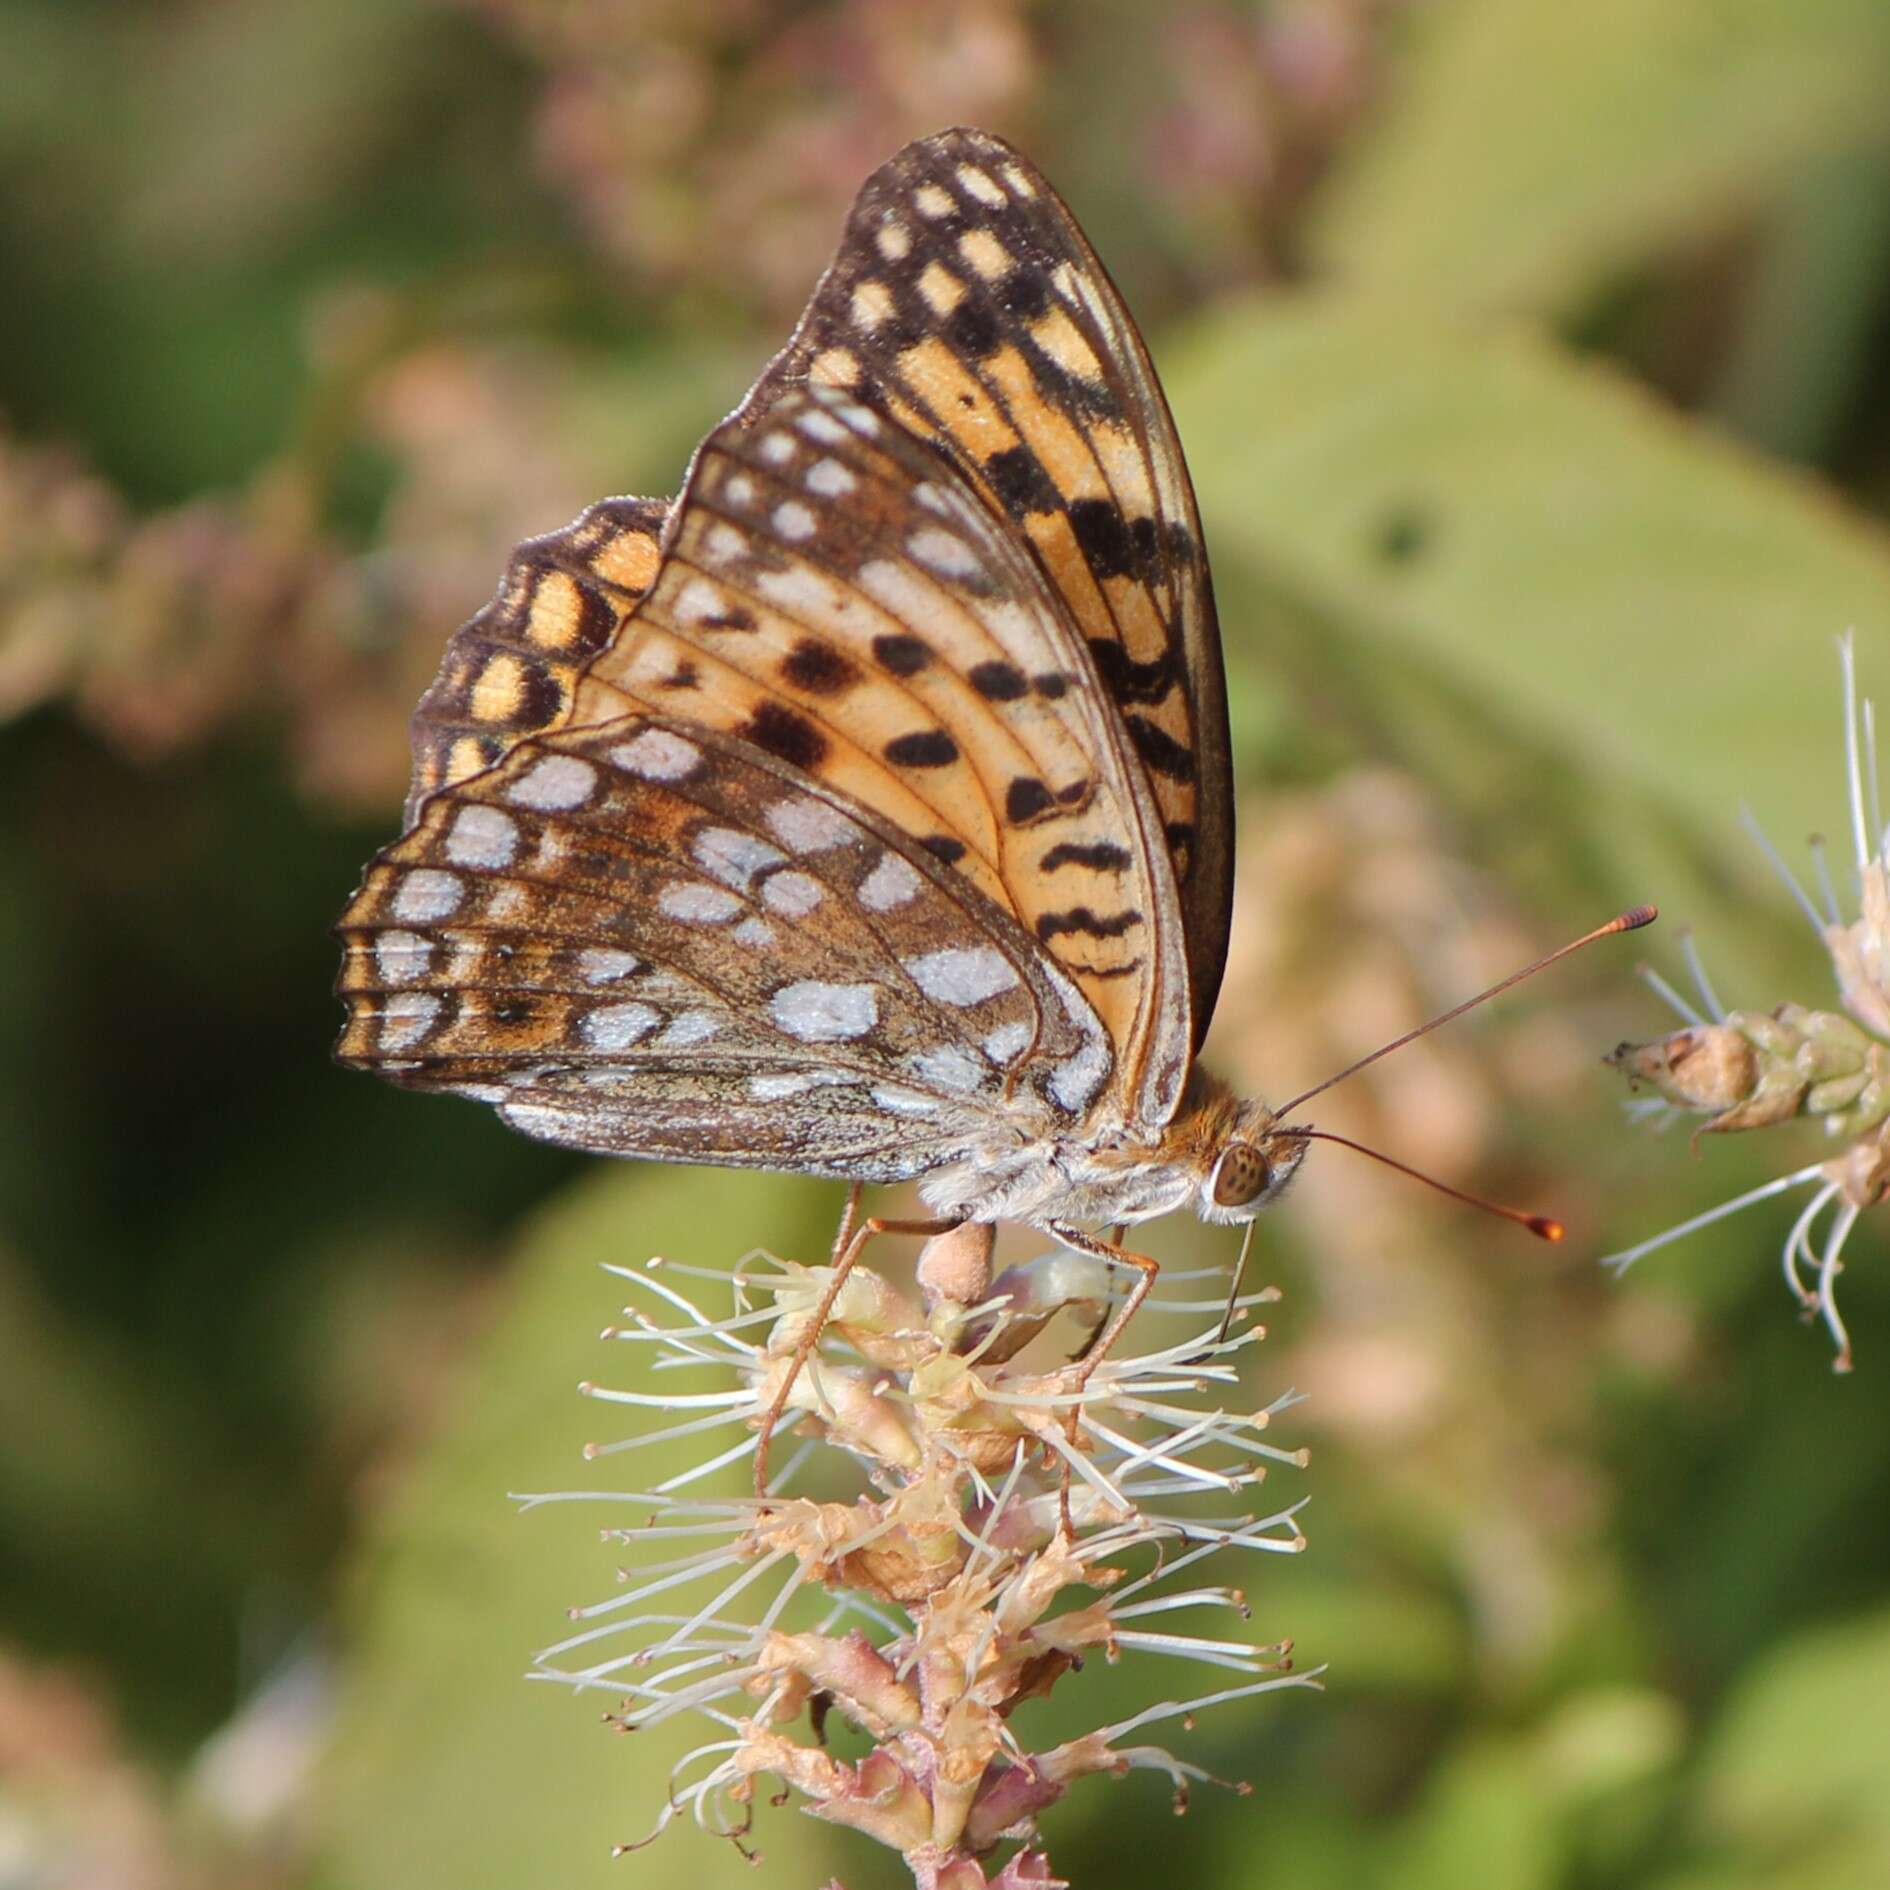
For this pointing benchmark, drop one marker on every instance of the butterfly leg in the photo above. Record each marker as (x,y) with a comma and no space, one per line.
(1094,1354)
(843,1264)
(844,1232)
(1096,1331)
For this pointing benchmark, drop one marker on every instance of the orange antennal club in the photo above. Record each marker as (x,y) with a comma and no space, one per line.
(1541,1225)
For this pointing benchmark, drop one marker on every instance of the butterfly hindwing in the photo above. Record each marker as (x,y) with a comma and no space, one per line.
(966,303)
(652,939)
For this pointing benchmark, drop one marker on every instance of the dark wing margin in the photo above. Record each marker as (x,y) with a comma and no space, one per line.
(511,671)
(965,303)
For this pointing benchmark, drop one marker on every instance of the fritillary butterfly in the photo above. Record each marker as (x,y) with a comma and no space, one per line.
(866,812)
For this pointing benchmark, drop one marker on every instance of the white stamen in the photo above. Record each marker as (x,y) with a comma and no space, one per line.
(1701,983)
(1852,765)
(1781,1184)
(1784,872)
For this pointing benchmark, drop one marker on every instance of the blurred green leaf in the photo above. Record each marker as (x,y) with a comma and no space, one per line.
(1800,1761)
(1528,152)
(448,1767)
(1617,584)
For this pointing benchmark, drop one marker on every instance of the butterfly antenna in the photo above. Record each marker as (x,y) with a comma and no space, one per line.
(1543,1226)
(1622,922)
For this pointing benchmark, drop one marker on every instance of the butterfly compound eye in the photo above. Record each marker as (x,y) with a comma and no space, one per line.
(1241,1175)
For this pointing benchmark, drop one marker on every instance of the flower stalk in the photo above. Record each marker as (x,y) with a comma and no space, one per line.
(991,1549)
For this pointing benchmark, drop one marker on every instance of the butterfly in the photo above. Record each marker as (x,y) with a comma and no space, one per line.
(867,811)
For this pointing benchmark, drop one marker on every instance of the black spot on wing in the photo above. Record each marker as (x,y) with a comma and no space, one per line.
(735,617)
(1103,537)
(1160,749)
(1089,924)
(923,748)
(944,846)
(1101,856)
(1128,680)
(1025,799)
(998,682)
(1025,292)
(786,734)
(540,697)
(596,619)
(816,666)
(973,329)
(1020,482)
(903,655)
(1052,685)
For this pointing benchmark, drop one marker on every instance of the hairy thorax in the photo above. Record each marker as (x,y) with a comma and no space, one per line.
(1118,1177)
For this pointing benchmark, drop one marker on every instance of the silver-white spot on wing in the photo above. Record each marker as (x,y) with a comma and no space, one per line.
(889,885)
(402,957)
(602,964)
(555,785)
(817,1012)
(830,479)
(692,1027)
(1006,1042)
(962,975)
(618,1026)
(793,894)
(427,894)
(696,904)
(657,755)
(482,836)
(944,552)
(406,1018)
(805,825)
(734,857)
(948,1067)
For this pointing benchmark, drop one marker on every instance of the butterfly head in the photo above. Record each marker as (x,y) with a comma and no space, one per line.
(1251,1166)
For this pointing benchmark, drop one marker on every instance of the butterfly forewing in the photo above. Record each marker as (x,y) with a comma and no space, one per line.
(965,301)
(652,939)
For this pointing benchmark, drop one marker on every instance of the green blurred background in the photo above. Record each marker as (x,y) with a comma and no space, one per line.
(1533,361)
